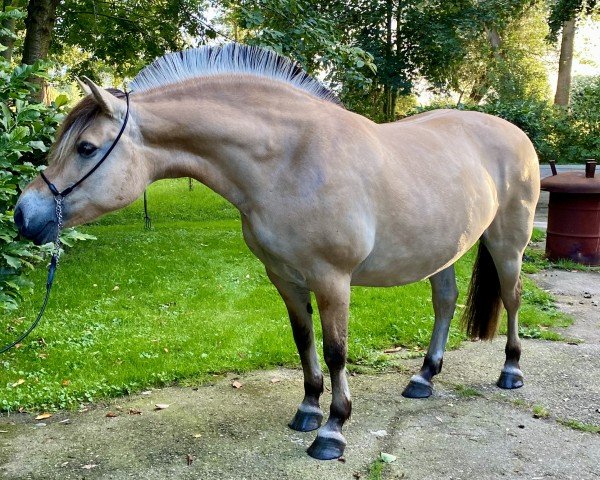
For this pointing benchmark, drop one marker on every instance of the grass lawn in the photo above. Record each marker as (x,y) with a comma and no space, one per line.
(186,300)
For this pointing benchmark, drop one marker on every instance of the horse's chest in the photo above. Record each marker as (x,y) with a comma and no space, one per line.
(268,249)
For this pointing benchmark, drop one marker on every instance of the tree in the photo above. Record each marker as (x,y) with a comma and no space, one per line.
(563,19)
(307,31)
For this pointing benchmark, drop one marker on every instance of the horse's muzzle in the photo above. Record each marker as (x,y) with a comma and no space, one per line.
(35,218)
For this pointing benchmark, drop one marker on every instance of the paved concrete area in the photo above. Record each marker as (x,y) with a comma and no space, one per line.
(468,429)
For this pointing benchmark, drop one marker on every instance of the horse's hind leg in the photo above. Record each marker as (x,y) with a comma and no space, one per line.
(297,300)
(444,293)
(506,239)
(507,260)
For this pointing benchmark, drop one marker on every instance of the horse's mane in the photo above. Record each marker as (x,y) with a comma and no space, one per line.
(230,58)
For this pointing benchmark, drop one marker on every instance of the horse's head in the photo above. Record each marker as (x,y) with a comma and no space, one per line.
(85,136)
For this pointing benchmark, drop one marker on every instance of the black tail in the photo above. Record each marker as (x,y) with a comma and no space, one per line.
(482,313)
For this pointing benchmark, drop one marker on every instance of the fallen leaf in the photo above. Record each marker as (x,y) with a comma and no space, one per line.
(275,380)
(42,416)
(236,384)
(20,381)
(387,457)
(166,350)
(161,406)
(116,287)
(111,415)
(89,466)
(134,411)
(64,383)
(393,350)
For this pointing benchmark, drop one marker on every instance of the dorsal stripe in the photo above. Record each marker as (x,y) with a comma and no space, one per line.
(229,58)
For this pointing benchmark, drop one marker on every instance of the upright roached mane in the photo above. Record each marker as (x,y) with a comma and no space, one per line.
(231,58)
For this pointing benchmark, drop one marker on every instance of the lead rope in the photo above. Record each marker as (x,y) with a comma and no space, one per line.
(147,220)
(50,279)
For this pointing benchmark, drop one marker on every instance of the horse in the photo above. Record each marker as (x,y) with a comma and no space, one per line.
(327,198)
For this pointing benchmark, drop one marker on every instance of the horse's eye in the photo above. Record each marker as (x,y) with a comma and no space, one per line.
(86,149)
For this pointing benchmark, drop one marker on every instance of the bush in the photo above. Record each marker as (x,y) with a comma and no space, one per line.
(26,132)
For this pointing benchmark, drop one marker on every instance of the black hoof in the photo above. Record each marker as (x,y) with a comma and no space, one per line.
(325,448)
(417,390)
(510,381)
(306,421)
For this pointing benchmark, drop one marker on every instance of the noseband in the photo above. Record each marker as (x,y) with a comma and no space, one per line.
(58,198)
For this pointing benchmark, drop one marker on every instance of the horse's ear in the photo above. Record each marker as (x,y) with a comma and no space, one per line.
(111,105)
(84,88)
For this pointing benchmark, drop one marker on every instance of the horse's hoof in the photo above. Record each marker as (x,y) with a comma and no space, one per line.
(327,448)
(510,380)
(418,390)
(306,421)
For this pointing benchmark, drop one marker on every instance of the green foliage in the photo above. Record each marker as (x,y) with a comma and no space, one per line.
(306,31)
(26,132)
(118,38)
(563,10)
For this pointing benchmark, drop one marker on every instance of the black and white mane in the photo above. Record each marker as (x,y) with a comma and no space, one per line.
(230,58)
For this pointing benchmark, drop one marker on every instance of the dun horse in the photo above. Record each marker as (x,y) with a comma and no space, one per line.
(328,199)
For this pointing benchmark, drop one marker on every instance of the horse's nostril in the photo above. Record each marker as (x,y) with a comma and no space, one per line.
(19,218)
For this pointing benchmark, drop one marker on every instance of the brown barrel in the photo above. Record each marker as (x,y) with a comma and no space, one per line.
(574,227)
(574,216)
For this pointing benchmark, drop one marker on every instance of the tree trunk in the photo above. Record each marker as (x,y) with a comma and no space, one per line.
(41,15)
(387,88)
(8,41)
(565,63)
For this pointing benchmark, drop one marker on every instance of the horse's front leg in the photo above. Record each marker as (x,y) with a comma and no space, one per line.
(297,300)
(444,293)
(333,299)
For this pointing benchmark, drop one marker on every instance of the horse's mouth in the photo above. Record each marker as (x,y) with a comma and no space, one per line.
(46,234)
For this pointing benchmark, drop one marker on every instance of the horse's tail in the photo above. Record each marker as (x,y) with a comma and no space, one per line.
(482,313)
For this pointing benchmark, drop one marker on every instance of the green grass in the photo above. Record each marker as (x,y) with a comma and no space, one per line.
(185,301)
(466,391)
(539,411)
(581,426)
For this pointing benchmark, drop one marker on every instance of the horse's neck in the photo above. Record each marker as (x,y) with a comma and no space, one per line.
(227,136)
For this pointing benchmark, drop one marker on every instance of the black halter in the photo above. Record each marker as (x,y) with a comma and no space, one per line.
(58,198)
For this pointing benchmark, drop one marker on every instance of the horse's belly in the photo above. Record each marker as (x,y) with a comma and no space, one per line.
(405,267)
